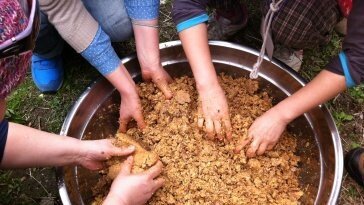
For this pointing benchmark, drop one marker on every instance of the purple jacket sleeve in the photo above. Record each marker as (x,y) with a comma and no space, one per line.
(353,46)
(188,13)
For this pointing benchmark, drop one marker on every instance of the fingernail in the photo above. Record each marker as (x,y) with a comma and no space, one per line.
(131,147)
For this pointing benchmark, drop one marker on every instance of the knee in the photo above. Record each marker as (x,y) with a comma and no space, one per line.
(118,29)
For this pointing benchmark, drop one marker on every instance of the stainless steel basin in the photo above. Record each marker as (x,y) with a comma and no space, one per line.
(319,143)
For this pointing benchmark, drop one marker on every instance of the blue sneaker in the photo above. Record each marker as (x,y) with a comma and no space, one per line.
(47,74)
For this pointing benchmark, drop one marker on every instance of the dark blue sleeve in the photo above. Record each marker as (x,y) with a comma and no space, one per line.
(188,13)
(4,126)
(350,62)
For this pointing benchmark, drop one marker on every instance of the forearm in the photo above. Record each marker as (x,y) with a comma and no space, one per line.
(147,43)
(195,44)
(121,80)
(112,200)
(28,147)
(103,57)
(322,88)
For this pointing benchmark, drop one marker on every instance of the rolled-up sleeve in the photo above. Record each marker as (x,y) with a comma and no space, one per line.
(142,9)
(101,54)
(350,62)
(188,13)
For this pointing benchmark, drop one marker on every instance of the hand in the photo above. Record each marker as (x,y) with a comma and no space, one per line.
(159,77)
(134,189)
(147,46)
(94,152)
(264,133)
(213,111)
(130,107)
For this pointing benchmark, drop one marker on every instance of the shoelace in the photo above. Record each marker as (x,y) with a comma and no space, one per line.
(273,7)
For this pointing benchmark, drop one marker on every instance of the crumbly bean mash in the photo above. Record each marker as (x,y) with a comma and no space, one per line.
(201,171)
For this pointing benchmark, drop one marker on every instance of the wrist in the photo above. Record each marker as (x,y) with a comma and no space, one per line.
(285,114)
(112,200)
(130,92)
(76,152)
(205,84)
(150,65)
(122,81)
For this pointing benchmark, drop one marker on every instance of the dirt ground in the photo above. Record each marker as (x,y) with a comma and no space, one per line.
(46,112)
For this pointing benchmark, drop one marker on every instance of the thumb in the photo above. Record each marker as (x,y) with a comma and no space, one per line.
(117,151)
(126,166)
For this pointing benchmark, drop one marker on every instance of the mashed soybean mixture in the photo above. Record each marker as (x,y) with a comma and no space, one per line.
(201,171)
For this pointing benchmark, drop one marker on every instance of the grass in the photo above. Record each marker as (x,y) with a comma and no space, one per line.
(12,186)
(357,93)
(46,112)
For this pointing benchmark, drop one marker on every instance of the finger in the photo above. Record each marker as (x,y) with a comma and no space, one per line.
(209,128)
(146,77)
(162,84)
(155,171)
(168,77)
(138,117)
(158,183)
(218,129)
(242,144)
(228,129)
(96,165)
(251,152)
(262,148)
(99,165)
(270,146)
(200,119)
(123,151)
(127,166)
(123,124)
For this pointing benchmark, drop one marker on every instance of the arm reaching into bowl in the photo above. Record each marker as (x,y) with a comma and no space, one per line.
(265,131)
(134,189)
(130,106)
(190,17)
(29,147)
(144,18)
(147,45)
(92,40)
(346,70)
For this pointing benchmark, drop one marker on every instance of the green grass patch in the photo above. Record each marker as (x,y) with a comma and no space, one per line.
(357,93)
(11,189)
(342,117)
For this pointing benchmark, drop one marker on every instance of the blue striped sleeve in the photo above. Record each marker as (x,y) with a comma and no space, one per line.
(192,22)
